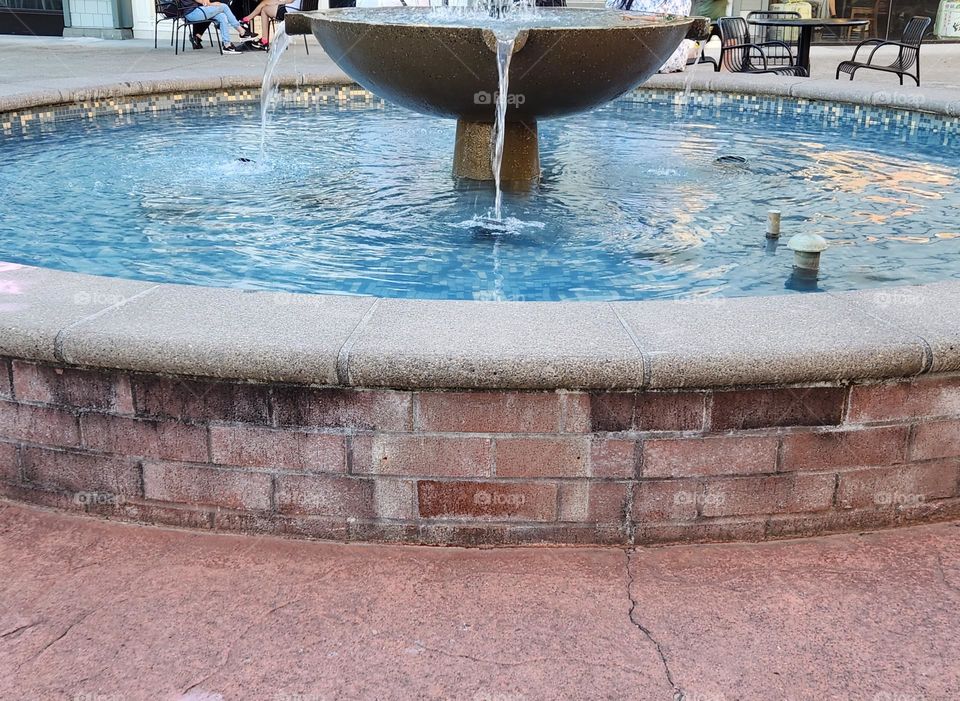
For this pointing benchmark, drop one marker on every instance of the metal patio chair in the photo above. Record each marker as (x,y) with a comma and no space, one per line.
(907,58)
(776,56)
(738,54)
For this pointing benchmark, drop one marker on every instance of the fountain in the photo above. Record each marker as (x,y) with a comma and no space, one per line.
(457,63)
(619,375)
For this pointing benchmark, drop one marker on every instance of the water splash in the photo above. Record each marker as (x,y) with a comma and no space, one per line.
(505,45)
(270,85)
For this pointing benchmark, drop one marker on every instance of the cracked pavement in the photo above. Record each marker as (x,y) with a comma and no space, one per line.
(95,609)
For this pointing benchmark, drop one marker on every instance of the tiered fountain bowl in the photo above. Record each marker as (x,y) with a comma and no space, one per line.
(444,63)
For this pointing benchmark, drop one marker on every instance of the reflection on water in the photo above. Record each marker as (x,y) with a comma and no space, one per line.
(358,198)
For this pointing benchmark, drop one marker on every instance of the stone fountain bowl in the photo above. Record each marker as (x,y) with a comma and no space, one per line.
(448,68)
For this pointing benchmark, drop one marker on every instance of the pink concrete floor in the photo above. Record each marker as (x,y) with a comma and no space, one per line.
(96,610)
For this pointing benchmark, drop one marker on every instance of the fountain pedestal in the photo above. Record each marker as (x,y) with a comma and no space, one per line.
(521,153)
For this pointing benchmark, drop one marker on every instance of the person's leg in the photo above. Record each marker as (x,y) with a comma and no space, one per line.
(202,13)
(255,11)
(224,18)
(218,14)
(198,31)
(269,13)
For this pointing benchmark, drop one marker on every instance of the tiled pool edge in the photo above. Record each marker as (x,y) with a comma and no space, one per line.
(317,426)
(701,89)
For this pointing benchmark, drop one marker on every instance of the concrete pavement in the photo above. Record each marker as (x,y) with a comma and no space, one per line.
(36,63)
(99,610)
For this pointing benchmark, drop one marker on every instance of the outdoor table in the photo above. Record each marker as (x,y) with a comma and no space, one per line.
(806,27)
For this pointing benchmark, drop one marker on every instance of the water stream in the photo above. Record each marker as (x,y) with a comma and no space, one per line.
(505,44)
(270,87)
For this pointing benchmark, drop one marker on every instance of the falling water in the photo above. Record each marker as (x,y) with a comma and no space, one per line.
(687,84)
(505,44)
(270,86)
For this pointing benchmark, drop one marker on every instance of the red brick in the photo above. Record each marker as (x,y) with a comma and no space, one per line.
(467,535)
(542,457)
(614,458)
(32,424)
(856,448)
(422,456)
(789,406)
(189,484)
(165,440)
(564,534)
(594,502)
(904,400)
(200,400)
(489,412)
(713,455)
(9,463)
(251,446)
(713,531)
(936,439)
(79,472)
(41,497)
(575,410)
(325,495)
(786,493)
(378,410)
(647,411)
(665,500)
(500,501)
(6,391)
(395,499)
(87,389)
(903,486)
(168,514)
(822,522)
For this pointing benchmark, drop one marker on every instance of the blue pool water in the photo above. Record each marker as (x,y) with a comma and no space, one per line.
(358,198)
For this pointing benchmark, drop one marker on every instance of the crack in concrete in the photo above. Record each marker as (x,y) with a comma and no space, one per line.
(15,631)
(942,571)
(678,694)
(60,637)
(229,650)
(421,647)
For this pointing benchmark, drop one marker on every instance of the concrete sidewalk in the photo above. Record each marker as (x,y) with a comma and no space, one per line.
(35,63)
(98,610)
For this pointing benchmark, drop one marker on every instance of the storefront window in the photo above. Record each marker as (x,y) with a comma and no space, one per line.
(32,17)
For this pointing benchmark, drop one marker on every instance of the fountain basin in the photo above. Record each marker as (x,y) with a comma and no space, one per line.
(474,423)
(451,70)
(444,64)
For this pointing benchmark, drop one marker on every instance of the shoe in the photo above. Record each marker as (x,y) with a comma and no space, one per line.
(246,31)
(195,41)
(260,45)
(230,49)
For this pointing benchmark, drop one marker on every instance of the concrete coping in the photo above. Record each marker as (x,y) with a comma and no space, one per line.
(90,321)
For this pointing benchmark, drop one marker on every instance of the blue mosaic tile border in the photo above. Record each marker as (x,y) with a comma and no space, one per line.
(692,104)
(826,112)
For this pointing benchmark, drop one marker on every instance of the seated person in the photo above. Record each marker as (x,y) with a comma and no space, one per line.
(268,10)
(678,60)
(197,10)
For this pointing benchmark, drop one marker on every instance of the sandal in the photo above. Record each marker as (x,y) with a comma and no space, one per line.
(195,41)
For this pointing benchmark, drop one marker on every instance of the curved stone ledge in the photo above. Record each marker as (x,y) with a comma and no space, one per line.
(90,321)
(360,418)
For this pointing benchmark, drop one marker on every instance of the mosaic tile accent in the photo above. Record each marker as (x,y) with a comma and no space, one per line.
(699,103)
(694,103)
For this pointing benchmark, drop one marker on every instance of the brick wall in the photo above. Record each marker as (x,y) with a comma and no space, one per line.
(481,467)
